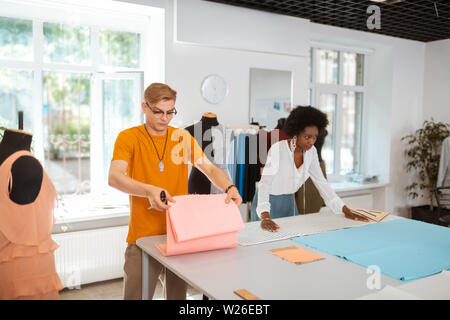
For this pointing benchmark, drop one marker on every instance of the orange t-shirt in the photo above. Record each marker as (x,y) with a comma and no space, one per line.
(134,146)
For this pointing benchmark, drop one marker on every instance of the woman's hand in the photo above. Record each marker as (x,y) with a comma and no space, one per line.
(154,197)
(267,224)
(349,215)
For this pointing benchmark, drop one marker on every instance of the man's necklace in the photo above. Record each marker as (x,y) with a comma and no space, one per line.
(161,164)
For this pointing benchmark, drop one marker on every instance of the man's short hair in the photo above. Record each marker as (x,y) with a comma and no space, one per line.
(157,92)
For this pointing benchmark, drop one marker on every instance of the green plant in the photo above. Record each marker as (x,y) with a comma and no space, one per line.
(423,154)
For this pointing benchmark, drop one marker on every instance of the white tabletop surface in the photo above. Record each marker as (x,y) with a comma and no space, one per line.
(220,272)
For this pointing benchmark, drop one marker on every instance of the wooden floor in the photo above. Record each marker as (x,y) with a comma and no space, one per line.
(112,290)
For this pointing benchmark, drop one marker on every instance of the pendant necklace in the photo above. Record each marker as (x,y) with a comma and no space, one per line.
(161,164)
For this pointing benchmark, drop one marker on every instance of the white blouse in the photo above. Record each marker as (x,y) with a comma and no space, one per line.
(281,176)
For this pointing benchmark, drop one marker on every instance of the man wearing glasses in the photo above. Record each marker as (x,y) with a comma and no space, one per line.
(147,160)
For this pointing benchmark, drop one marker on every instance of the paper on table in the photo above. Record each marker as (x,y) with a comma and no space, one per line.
(389,293)
(301,225)
(253,234)
(296,255)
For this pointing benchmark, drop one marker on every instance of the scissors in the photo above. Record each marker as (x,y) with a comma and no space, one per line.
(163,198)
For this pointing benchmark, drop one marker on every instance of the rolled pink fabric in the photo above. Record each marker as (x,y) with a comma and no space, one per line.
(200,223)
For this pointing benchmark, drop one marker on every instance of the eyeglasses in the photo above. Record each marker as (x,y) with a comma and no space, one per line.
(159,113)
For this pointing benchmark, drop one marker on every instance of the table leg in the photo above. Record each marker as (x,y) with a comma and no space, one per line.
(145,271)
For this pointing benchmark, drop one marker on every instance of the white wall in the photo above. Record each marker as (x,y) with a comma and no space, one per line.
(230,44)
(224,26)
(226,40)
(377,114)
(201,47)
(187,66)
(437,81)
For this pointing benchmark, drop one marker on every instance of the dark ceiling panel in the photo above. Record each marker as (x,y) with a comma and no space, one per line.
(416,20)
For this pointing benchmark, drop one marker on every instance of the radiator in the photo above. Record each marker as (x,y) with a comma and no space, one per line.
(90,256)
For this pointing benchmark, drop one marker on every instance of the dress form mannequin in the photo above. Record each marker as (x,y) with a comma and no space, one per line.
(26,171)
(27,262)
(209,115)
(198,183)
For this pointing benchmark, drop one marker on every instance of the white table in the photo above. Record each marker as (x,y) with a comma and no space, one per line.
(254,268)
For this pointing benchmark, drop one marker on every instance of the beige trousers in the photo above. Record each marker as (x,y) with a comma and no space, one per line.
(175,287)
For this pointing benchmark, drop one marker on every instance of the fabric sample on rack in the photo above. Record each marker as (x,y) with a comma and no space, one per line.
(222,146)
(241,163)
(252,166)
(246,166)
(232,160)
(246,171)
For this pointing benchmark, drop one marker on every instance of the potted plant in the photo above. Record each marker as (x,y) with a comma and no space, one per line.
(423,154)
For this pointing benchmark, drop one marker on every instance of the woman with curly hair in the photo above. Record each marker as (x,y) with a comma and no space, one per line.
(289,164)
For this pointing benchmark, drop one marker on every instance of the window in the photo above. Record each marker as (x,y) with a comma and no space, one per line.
(66,124)
(66,44)
(16,39)
(337,88)
(79,82)
(15,95)
(120,49)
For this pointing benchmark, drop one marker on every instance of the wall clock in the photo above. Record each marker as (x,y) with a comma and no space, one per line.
(214,89)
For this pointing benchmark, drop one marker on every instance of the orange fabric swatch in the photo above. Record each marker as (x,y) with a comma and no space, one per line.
(296,255)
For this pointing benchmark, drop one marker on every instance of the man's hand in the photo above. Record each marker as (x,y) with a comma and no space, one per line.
(267,224)
(153,194)
(233,194)
(349,215)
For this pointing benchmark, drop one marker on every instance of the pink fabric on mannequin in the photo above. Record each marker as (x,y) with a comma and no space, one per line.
(200,223)
(27,264)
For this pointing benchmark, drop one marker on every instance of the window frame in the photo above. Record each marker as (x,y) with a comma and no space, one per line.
(145,20)
(317,88)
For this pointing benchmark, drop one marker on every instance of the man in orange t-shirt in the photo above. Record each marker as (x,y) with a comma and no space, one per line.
(147,160)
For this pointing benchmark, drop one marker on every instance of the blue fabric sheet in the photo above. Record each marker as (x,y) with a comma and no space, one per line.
(232,159)
(241,164)
(403,249)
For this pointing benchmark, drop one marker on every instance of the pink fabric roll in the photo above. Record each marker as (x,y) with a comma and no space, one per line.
(201,222)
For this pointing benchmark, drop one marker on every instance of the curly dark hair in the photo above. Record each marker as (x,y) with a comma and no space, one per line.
(280,123)
(302,117)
